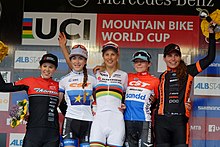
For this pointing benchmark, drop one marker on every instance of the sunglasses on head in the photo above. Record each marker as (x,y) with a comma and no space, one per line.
(79,46)
(142,54)
(110,45)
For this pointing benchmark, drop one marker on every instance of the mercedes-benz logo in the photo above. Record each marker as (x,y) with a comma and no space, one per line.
(78,3)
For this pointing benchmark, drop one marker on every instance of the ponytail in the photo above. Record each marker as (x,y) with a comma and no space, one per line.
(85,79)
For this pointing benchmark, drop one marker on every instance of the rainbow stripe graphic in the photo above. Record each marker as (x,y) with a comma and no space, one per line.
(27,28)
(109,89)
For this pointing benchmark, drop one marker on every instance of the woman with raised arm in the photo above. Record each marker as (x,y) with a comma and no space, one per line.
(172,114)
(77,88)
(108,128)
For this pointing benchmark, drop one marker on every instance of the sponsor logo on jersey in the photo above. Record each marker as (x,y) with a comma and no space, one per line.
(138,84)
(137,96)
(79,84)
(73,80)
(45,91)
(116,76)
(173,101)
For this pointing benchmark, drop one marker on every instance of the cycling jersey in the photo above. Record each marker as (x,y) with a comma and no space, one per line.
(140,87)
(43,102)
(171,117)
(108,125)
(172,98)
(109,90)
(42,126)
(78,104)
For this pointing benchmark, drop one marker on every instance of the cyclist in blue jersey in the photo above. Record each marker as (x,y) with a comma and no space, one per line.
(142,88)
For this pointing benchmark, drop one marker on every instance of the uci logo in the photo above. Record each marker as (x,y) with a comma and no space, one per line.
(78,3)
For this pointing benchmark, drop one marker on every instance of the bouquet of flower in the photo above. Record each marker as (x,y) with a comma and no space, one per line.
(17,113)
(3,51)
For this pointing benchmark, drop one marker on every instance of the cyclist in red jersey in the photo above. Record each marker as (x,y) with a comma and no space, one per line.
(171,117)
(142,88)
(42,126)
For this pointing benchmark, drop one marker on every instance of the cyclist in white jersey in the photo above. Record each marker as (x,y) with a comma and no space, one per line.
(114,82)
(77,87)
(108,128)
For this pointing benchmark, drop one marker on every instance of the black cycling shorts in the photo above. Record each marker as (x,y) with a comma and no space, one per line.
(171,130)
(76,129)
(41,137)
(139,133)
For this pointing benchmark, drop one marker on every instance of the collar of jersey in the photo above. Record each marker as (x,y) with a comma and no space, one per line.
(143,73)
(76,72)
(171,70)
(41,77)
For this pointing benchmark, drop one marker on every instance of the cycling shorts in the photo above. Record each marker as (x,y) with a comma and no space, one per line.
(108,128)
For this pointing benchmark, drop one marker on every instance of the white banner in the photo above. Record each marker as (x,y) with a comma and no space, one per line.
(209,86)
(28,59)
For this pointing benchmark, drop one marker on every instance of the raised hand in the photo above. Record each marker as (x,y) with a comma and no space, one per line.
(62,40)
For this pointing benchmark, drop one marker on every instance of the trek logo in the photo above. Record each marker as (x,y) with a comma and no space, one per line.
(138,84)
(16,142)
(213,128)
(40,90)
(44,28)
(137,96)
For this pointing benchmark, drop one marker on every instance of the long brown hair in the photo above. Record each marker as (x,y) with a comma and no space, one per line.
(85,79)
(181,72)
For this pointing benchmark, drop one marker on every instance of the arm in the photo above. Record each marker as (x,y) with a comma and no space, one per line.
(62,103)
(62,42)
(61,95)
(205,62)
(9,87)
